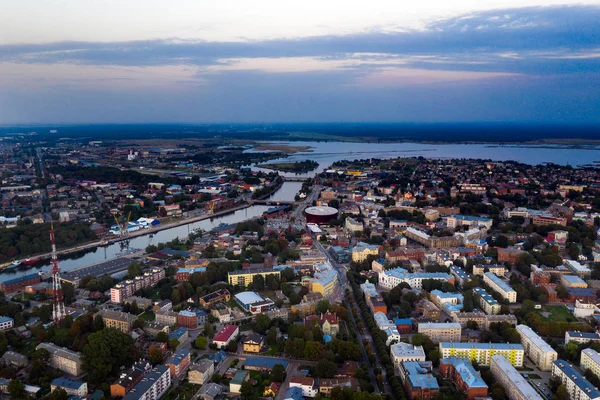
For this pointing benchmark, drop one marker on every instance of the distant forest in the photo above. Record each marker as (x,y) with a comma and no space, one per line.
(374,132)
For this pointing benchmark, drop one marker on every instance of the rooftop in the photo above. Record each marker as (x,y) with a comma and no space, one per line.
(67,383)
(147,381)
(488,298)
(522,386)
(439,325)
(248,297)
(501,283)
(225,333)
(578,379)
(482,346)
(467,373)
(405,349)
(540,343)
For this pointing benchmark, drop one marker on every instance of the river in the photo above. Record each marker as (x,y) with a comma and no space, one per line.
(326,153)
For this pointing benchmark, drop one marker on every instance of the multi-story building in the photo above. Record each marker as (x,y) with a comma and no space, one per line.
(178,362)
(440,298)
(590,359)
(578,387)
(388,327)
(578,268)
(441,331)
(455,221)
(500,318)
(128,379)
(126,289)
(328,322)
(462,373)
(495,269)
(6,323)
(515,386)
(63,359)
(581,337)
(391,278)
(245,278)
(538,351)
(464,317)
(353,225)
(487,301)
(152,386)
(432,241)
(419,381)
(201,372)
(166,317)
(307,384)
(187,319)
(226,335)
(362,250)
(500,286)
(401,352)
(510,254)
(460,275)
(324,280)
(117,319)
(483,352)
(548,220)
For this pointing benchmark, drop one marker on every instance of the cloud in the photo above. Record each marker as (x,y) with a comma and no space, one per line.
(541,40)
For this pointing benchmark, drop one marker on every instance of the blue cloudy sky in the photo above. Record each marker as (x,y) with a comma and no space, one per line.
(75,61)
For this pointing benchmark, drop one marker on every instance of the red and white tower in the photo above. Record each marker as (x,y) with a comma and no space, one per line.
(58,304)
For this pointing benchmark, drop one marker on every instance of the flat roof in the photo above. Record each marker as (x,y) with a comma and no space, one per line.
(488,298)
(225,333)
(264,362)
(482,346)
(248,297)
(593,354)
(439,325)
(502,284)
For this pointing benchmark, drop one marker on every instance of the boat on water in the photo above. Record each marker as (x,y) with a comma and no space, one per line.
(31,261)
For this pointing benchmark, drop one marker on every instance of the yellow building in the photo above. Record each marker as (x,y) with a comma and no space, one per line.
(483,352)
(361,251)
(116,319)
(590,359)
(253,343)
(245,278)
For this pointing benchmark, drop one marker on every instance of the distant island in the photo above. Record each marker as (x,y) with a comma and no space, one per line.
(298,166)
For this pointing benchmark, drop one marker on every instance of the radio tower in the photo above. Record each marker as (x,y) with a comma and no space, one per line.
(58,305)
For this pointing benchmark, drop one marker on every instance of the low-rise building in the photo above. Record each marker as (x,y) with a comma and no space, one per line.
(515,386)
(71,386)
(253,302)
(441,331)
(306,384)
(6,323)
(253,343)
(581,337)
(199,373)
(578,387)
(462,373)
(226,335)
(166,317)
(362,250)
(577,268)
(328,322)
(221,295)
(483,352)
(538,351)
(496,269)
(572,281)
(181,334)
(391,278)
(235,385)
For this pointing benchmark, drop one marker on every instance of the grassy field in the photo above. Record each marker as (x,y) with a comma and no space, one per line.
(555,313)
(147,316)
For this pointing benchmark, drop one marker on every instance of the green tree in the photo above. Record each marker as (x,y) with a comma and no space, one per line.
(272,336)
(278,373)
(134,270)
(561,393)
(325,368)
(247,391)
(472,325)
(322,307)
(156,355)
(162,337)
(173,343)
(201,342)
(98,323)
(262,322)
(175,296)
(209,330)
(16,389)
(105,353)
(58,394)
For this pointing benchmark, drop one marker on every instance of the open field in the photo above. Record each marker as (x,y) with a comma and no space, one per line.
(555,313)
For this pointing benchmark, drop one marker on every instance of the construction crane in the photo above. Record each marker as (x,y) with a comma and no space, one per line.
(124,226)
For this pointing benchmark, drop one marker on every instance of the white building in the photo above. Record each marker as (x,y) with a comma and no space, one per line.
(401,352)
(391,278)
(577,268)
(538,351)
(63,359)
(487,302)
(578,387)
(500,286)
(353,225)
(455,221)
(153,385)
(6,323)
(387,326)
(581,337)
(441,331)
(305,383)
(590,359)
(584,310)
(515,386)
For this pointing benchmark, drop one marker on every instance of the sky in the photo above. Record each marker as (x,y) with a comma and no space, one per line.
(114,61)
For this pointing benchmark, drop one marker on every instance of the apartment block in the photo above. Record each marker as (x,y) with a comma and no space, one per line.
(578,387)
(538,351)
(63,359)
(117,319)
(441,331)
(496,269)
(401,352)
(515,386)
(590,359)
(487,302)
(152,386)
(483,352)
(245,278)
(126,289)
(462,373)
(500,286)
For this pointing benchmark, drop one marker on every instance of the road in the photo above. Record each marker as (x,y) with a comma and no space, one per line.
(341,270)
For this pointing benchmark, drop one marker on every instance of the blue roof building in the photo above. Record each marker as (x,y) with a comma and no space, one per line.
(577,385)
(263,363)
(293,393)
(418,377)
(179,333)
(71,386)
